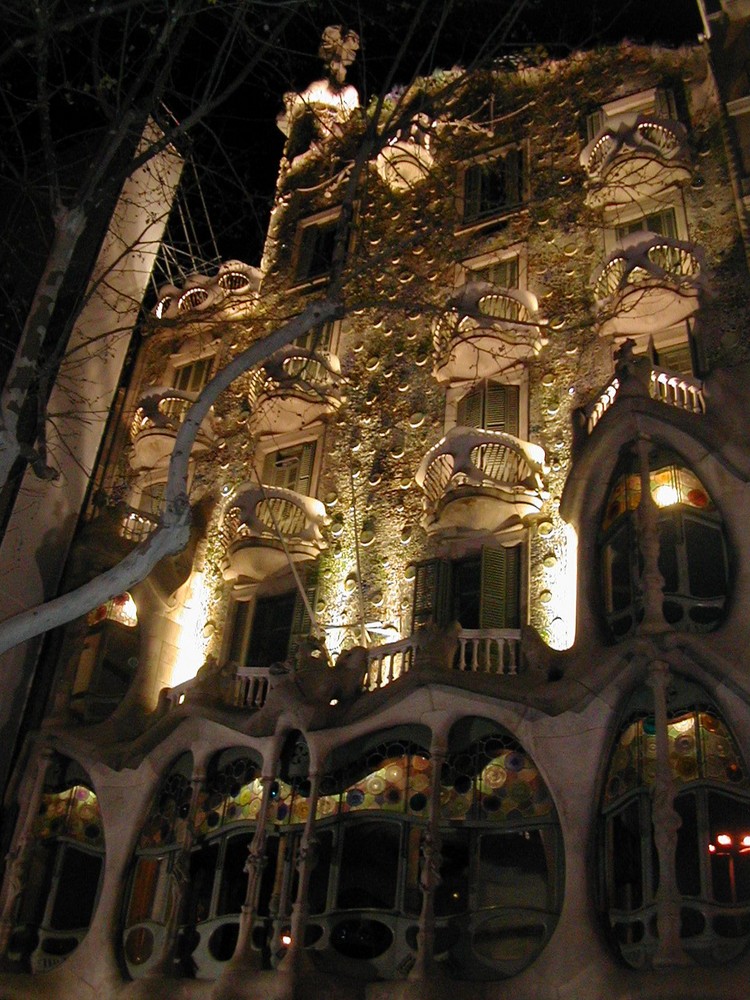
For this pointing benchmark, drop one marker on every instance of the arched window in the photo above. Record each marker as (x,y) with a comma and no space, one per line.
(365,897)
(712,799)
(63,871)
(501,863)
(693,556)
(155,878)
(502,869)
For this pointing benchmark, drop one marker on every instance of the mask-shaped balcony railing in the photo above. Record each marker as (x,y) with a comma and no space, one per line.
(295,388)
(155,425)
(135,525)
(406,160)
(648,283)
(482,480)
(485,330)
(680,391)
(263,528)
(636,159)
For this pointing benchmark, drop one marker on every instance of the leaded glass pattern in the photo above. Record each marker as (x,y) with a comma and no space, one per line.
(167,822)
(670,485)
(495,780)
(392,777)
(700,748)
(232,795)
(72,814)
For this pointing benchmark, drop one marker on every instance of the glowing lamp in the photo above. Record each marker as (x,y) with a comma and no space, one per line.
(666,495)
(724,839)
(286,939)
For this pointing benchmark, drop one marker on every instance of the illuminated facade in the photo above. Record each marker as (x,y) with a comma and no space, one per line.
(447,696)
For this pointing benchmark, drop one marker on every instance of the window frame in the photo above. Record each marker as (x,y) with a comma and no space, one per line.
(494,216)
(320,221)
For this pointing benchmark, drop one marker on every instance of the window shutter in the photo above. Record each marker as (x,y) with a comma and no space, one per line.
(500,577)
(594,122)
(472,192)
(501,408)
(431,596)
(239,629)
(304,469)
(469,410)
(301,623)
(513,177)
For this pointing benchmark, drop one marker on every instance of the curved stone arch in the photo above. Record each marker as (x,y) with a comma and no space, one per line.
(57,870)
(710,793)
(590,480)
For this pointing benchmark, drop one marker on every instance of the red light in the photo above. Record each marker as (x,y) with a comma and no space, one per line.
(724,839)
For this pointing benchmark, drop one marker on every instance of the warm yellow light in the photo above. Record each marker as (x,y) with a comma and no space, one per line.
(724,839)
(666,495)
(561,581)
(286,940)
(191,653)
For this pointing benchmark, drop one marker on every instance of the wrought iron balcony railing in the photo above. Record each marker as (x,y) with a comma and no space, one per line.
(264,526)
(293,389)
(156,422)
(484,330)
(637,158)
(470,466)
(649,283)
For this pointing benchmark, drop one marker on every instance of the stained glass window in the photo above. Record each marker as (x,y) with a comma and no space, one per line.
(712,799)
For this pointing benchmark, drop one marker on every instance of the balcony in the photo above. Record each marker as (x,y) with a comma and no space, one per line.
(406,160)
(263,528)
(636,159)
(484,331)
(156,423)
(679,391)
(648,283)
(294,388)
(481,480)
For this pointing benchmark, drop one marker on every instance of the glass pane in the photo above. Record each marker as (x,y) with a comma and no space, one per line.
(369,866)
(707,573)
(616,565)
(729,848)
(76,890)
(203,864)
(669,538)
(624,858)
(143,891)
(687,858)
(513,871)
(233,887)
(318,888)
(272,625)
(452,894)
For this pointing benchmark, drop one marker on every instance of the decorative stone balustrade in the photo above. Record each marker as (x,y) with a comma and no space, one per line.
(484,331)
(201,292)
(263,528)
(295,388)
(638,158)
(481,480)
(676,390)
(406,160)
(155,424)
(648,283)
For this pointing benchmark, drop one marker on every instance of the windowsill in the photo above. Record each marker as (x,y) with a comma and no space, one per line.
(490,222)
(310,284)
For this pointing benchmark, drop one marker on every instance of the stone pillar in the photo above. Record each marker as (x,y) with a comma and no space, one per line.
(245,956)
(16,859)
(652,582)
(666,822)
(430,876)
(296,964)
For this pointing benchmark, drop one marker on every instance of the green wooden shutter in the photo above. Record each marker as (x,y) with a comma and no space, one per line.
(301,622)
(304,470)
(501,408)
(431,594)
(469,410)
(239,629)
(499,606)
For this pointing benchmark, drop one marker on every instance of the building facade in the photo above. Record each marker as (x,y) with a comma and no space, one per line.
(448,694)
